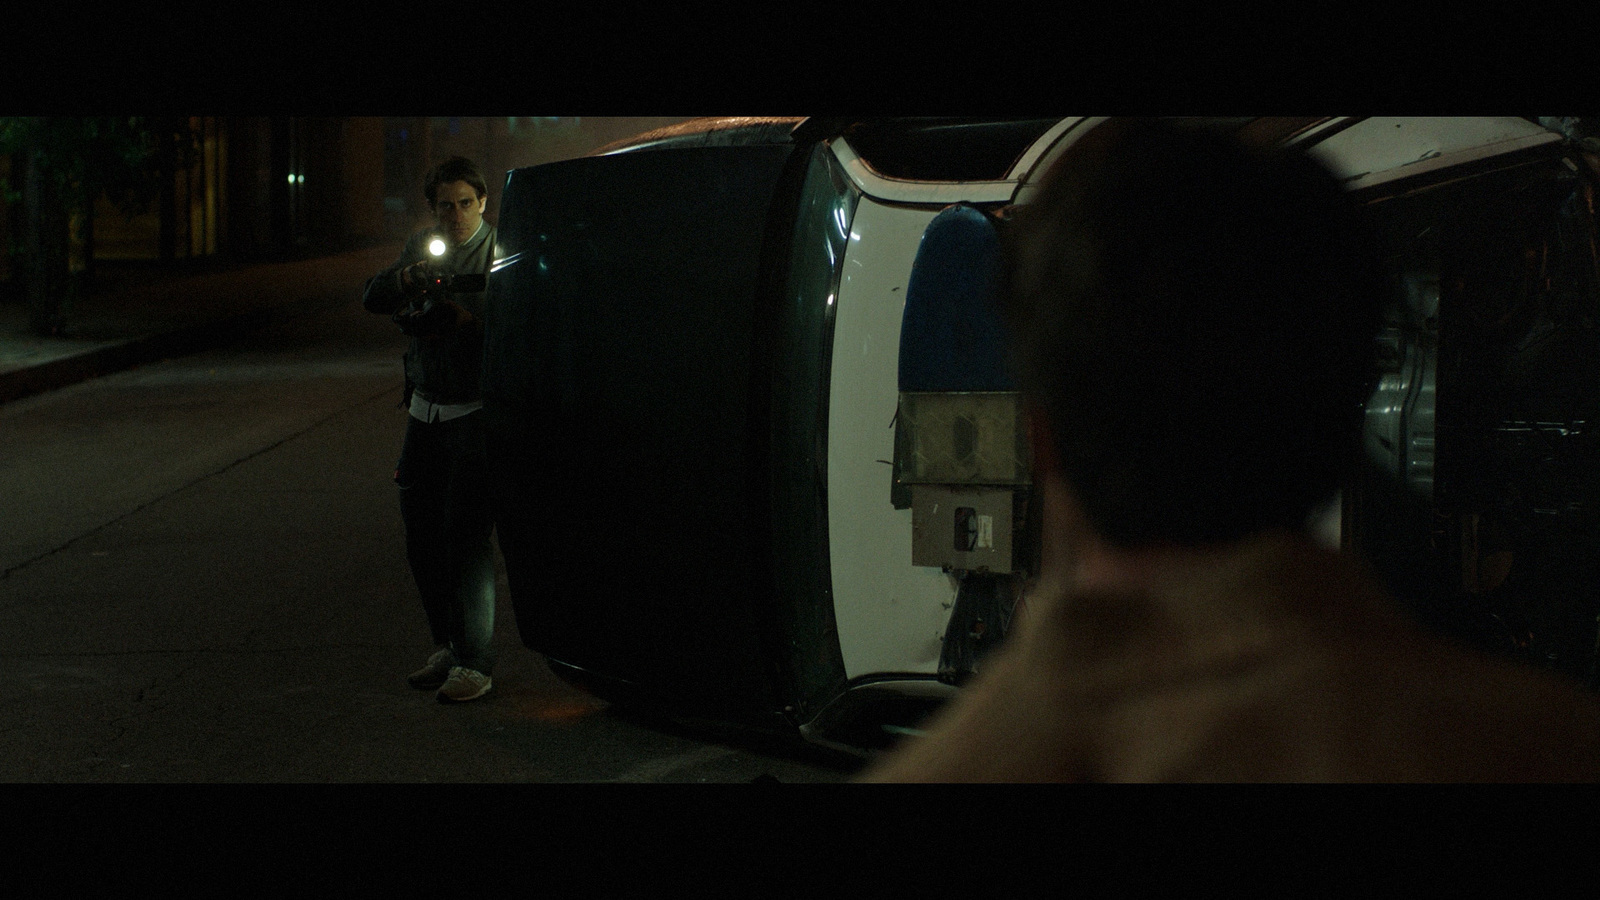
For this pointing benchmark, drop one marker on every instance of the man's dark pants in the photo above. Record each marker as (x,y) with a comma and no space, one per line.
(444,501)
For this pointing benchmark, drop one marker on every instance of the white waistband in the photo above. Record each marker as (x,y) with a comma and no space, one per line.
(426,410)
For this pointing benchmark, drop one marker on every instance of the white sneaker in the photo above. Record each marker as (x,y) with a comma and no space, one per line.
(464,684)
(434,673)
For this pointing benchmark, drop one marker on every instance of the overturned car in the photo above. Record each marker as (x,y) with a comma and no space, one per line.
(762,462)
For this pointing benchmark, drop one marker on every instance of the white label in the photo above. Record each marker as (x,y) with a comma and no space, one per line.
(986,532)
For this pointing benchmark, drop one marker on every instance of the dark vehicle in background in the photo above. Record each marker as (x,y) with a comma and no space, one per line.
(777,472)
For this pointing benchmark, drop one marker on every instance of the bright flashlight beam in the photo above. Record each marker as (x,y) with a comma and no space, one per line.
(436,247)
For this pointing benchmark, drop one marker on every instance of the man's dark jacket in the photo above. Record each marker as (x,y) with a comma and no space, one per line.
(444,368)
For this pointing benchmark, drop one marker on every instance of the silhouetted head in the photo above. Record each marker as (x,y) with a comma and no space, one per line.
(1195,320)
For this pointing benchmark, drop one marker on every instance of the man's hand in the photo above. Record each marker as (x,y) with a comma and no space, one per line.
(415,277)
(439,318)
(464,316)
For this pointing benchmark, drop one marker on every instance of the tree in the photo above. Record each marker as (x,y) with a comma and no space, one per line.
(66,164)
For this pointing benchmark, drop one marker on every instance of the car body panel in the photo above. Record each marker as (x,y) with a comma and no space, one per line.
(891,614)
(1372,151)
(842,623)
(638,367)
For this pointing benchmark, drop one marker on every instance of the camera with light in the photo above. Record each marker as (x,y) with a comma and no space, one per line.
(426,314)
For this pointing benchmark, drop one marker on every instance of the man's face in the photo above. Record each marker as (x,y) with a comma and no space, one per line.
(459,210)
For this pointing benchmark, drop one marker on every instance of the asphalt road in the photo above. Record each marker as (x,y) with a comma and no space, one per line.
(202,580)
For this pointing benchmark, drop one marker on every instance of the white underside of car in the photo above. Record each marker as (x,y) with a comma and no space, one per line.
(891,615)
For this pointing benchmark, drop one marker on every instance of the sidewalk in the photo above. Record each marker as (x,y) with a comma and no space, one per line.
(140,315)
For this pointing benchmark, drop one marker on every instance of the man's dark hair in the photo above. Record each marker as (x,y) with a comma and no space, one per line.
(456,168)
(1196,320)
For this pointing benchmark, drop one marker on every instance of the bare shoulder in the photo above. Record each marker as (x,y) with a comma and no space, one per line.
(1492,719)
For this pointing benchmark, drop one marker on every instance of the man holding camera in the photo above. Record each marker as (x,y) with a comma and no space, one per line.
(435,293)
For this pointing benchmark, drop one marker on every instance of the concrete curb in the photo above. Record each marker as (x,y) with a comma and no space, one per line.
(173,341)
(20,383)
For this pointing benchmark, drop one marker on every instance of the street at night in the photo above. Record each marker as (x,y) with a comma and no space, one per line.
(205,581)
(818,449)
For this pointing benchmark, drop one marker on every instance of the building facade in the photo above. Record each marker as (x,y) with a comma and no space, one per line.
(254,188)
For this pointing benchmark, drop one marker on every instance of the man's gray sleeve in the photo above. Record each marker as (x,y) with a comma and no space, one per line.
(383,293)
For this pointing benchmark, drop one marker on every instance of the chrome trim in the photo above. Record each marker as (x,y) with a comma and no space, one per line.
(1316,134)
(1028,183)
(1047,141)
(916,688)
(935,193)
